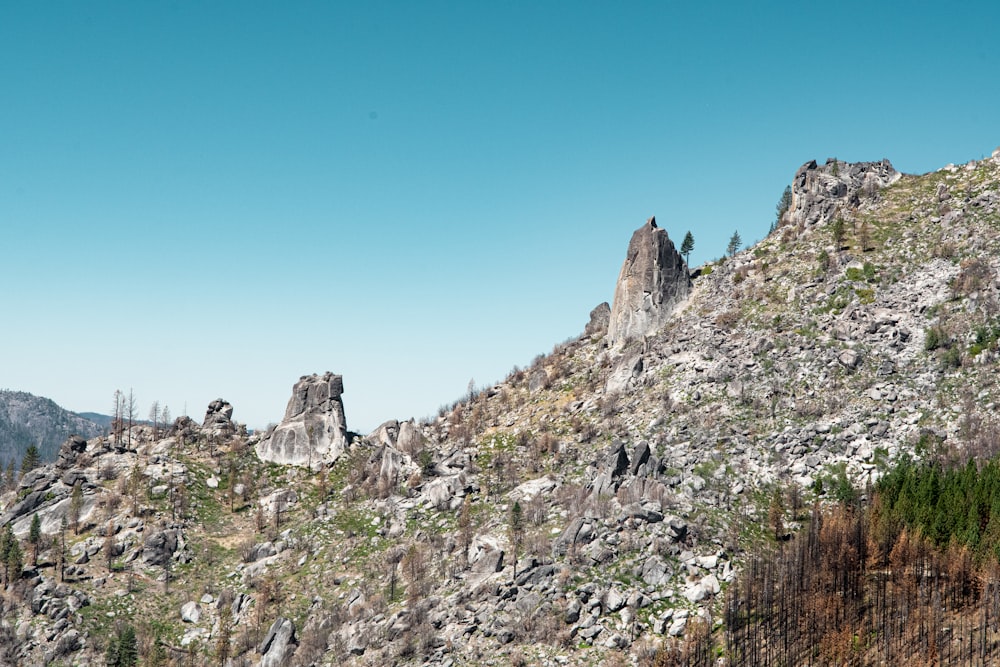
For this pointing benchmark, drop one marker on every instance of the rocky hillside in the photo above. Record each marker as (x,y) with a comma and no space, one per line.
(590,509)
(27,420)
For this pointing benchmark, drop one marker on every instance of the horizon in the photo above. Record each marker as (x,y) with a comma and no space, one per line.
(210,202)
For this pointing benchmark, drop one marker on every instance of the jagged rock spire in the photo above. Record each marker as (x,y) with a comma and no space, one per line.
(653,281)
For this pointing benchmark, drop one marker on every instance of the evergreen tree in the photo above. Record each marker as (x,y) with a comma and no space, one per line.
(123,648)
(31,459)
(13,558)
(687,245)
(35,537)
(783,205)
(76,507)
(515,532)
(734,243)
(837,229)
(128,647)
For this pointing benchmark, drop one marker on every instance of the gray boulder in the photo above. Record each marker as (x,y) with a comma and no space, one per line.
(600,317)
(191,612)
(69,450)
(160,547)
(314,429)
(279,644)
(653,281)
(219,417)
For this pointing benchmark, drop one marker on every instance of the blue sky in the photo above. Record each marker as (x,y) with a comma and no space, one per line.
(211,199)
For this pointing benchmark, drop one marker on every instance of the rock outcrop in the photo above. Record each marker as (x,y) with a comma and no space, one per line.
(314,429)
(819,193)
(600,317)
(653,281)
(219,417)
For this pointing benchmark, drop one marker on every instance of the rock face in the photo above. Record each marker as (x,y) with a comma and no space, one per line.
(818,193)
(653,281)
(314,429)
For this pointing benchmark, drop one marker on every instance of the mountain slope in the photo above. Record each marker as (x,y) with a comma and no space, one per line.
(27,420)
(592,508)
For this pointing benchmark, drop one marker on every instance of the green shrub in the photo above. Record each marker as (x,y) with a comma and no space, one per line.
(933,339)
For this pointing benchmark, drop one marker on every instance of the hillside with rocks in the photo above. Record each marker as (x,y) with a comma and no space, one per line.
(27,420)
(593,508)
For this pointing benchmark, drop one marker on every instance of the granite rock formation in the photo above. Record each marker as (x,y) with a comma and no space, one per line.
(600,317)
(820,193)
(219,417)
(653,281)
(314,429)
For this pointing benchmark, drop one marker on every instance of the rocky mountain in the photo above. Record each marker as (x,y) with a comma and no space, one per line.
(593,508)
(27,420)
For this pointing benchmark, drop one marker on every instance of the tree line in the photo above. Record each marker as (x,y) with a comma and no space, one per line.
(910,577)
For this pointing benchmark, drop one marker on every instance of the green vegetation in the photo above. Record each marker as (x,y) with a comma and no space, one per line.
(784,203)
(687,245)
(734,244)
(943,504)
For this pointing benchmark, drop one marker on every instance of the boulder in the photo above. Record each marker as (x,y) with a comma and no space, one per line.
(386,434)
(159,547)
(70,449)
(410,439)
(655,572)
(627,369)
(219,417)
(616,465)
(485,555)
(653,281)
(578,531)
(191,612)
(849,359)
(314,429)
(600,317)
(279,644)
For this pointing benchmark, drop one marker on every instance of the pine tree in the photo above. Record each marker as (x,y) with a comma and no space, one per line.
(837,229)
(734,244)
(10,476)
(123,649)
(687,245)
(76,507)
(515,532)
(465,527)
(784,204)
(35,537)
(128,647)
(13,557)
(31,459)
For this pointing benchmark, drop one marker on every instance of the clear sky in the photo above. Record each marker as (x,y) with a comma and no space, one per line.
(210,199)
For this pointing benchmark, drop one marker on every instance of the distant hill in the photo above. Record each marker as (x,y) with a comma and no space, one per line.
(103,421)
(26,419)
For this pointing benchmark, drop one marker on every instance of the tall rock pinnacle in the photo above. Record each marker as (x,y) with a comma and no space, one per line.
(314,429)
(653,281)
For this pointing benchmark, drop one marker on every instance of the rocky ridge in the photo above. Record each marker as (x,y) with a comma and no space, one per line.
(642,470)
(819,193)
